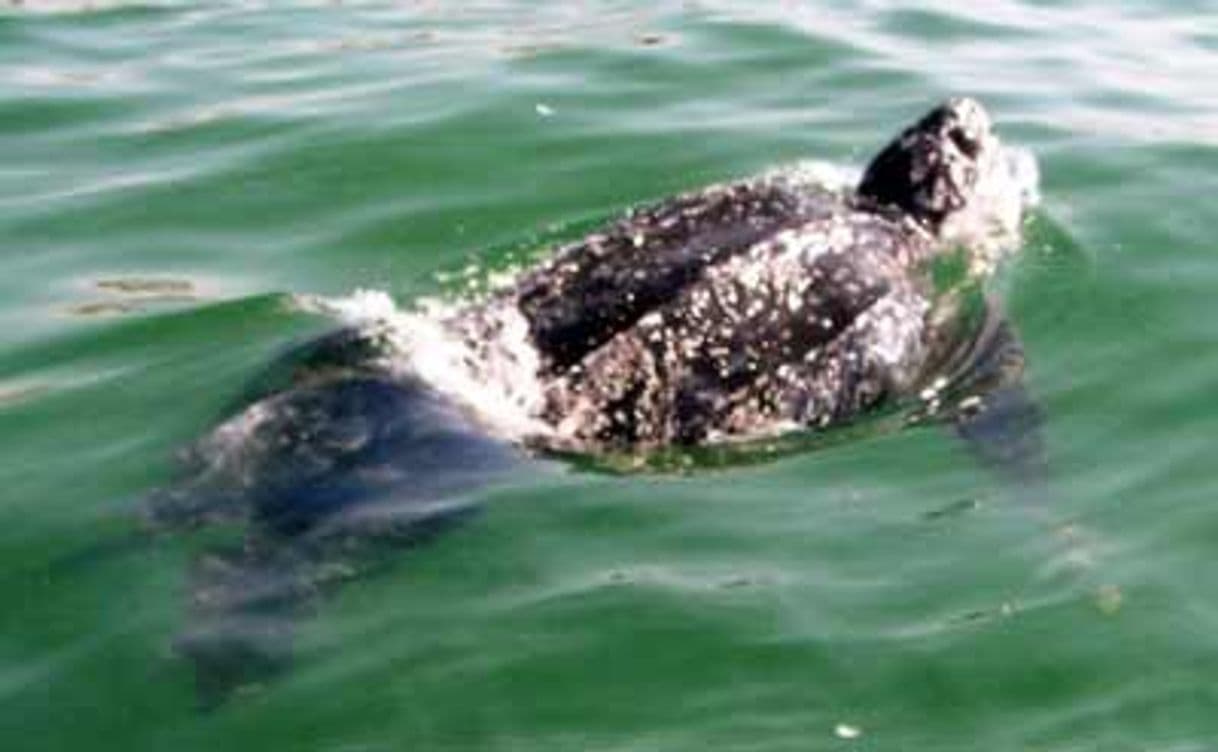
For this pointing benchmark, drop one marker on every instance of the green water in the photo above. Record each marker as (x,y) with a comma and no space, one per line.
(229,154)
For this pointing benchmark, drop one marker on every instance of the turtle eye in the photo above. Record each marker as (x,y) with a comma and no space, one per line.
(964,142)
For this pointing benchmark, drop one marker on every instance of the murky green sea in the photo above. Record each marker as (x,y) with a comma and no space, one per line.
(171,173)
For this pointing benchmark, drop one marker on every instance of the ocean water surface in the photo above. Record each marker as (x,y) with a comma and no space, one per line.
(173,176)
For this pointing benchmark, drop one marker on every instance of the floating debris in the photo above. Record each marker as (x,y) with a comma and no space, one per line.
(1005,609)
(355,44)
(740,581)
(102,308)
(846,731)
(147,286)
(132,294)
(544,110)
(1109,599)
(951,509)
(665,577)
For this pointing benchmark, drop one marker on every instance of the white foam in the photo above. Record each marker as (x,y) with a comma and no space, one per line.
(991,226)
(360,308)
(817,173)
(438,342)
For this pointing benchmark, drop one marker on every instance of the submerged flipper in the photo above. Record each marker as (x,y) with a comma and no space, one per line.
(997,417)
(1003,425)
(1005,431)
(980,390)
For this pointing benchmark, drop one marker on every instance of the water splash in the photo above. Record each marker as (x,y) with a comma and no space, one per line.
(496,380)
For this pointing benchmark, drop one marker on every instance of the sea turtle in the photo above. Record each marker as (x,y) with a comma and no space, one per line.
(739,311)
(759,306)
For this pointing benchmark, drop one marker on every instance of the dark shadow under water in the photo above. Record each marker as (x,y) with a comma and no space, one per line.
(329,478)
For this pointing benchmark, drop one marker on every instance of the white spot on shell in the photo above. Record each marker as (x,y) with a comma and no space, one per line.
(970,403)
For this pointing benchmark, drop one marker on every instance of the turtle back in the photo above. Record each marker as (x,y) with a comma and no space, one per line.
(604,283)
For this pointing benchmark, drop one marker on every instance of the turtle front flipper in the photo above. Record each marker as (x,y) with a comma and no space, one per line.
(990,407)
(1003,425)
(1005,431)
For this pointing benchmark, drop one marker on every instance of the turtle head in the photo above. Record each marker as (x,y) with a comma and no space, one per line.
(952,175)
